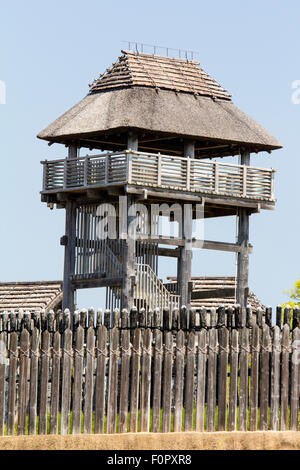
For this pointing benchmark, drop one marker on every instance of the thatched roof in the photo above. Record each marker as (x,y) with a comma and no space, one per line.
(217,290)
(30,296)
(159,72)
(162,98)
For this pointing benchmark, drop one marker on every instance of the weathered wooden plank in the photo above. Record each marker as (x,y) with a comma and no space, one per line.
(33,390)
(222,379)
(43,398)
(189,382)
(13,352)
(66,381)
(146,381)
(232,414)
(78,369)
(54,404)
(295,380)
(89,385)
(284,391)
(113,381)
(135,380)
(100,380)
(275,379)
(125,363)
(264,378)
(201,380)
(24,356)
(211,379)
(157,372)
(179,380)
(167,381)
(3,361)
(244,379)
(255,345)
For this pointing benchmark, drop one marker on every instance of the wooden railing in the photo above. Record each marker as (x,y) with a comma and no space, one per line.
(160,171)
(150,291)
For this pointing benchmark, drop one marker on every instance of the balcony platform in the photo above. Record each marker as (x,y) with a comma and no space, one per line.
(159,177)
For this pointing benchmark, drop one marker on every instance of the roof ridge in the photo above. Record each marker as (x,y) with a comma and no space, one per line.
(159,72)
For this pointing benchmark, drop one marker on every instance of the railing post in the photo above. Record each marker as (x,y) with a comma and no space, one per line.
(106,169)
(45,176)
(159,169)
(216,177)
(85,171)
(272,184)
(244,192)
(129,168)
(188,173)
(65,172)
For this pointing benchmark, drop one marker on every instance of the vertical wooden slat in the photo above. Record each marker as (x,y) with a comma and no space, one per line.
(43,398)
(125,363)
(78,369)
(3,360)
(179,381)
(113,381)
(167,381)
(211,379)
(33,391)
(100,380)
(189,382)
(66,382)
(13,344)
(233,380)
(54,404)
(275,379)
(244,379)
(89,385)
(255,344)
(264,378)
(284,401)
(157,365)
(201,380)
(146,381)
(24,356)
(295,380)
(135,380)
(222,382)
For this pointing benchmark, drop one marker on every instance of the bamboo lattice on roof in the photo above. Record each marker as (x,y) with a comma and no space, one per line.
(139,69)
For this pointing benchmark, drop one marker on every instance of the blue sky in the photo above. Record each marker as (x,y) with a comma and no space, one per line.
(49,53)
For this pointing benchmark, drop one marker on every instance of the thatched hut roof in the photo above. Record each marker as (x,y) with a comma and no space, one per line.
(217,290)
(30,296)
(166,100)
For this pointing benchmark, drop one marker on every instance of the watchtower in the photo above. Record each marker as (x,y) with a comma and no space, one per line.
(164,128)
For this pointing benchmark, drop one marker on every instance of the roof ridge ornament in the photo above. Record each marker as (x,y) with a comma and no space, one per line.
(140,47)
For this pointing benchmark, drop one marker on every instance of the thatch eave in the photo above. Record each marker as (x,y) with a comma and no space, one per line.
(162,111)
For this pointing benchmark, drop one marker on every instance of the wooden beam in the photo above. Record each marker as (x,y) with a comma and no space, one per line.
(69,256)
(129,257)
(91,283)
(170,252)
(213,293)
(206,244)
(243,241)
(185,258)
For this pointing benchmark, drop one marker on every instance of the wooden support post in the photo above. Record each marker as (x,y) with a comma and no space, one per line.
(184,266)
(132,141)
(243,241)
(185,258)
(69,260)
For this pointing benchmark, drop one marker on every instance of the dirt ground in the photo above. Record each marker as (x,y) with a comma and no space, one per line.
(269,440)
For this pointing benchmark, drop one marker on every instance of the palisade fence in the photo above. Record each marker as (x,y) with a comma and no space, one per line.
(156,371)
